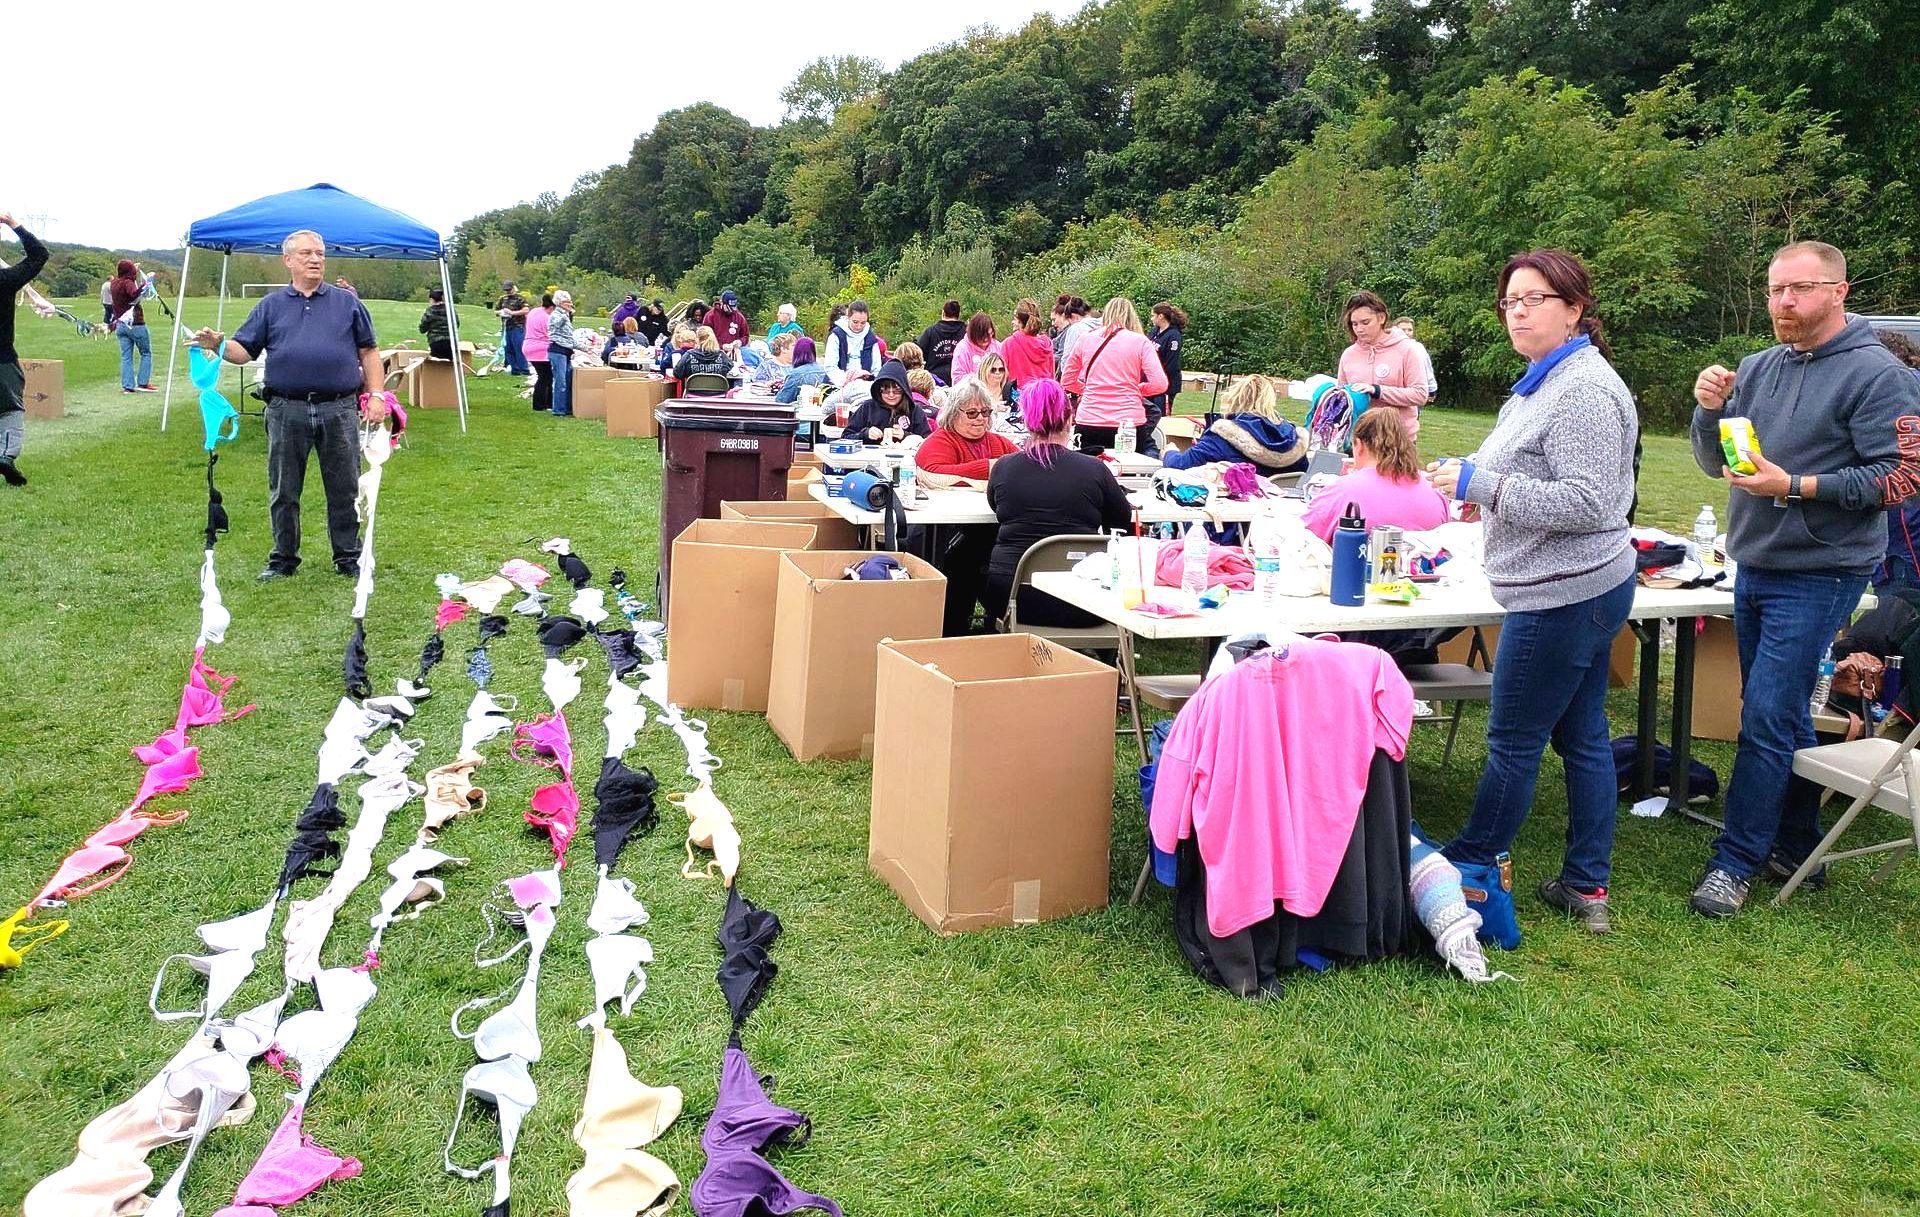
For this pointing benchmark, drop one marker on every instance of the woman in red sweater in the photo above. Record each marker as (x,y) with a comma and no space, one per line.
(964,446)
(1028,351)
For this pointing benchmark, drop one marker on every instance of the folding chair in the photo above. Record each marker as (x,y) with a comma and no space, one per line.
(1458,683)
(1883,772)
(706,384)
(1058,553)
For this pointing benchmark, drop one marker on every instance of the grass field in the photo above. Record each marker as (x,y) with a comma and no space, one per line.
(1679,1068)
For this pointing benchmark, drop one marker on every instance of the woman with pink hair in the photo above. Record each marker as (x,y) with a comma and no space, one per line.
(1046,490)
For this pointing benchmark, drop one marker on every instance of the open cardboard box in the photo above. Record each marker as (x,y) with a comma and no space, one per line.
(45,394)
(1178,432)
(631,401)
(721,601)
(830,530)
(826,636)
(590,391)
(970,826)
(430,385)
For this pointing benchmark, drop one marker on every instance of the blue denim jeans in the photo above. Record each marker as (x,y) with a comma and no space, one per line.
(516,360)
(562,383)
(1550,686)
(134,337)
(1783,623)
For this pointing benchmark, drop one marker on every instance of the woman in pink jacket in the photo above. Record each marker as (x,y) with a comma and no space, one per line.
(1114,369)
(1382,362)
(979,343)
(533,347)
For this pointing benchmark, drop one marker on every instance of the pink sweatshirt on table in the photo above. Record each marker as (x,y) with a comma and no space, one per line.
(1415,506)
(1394,364)
(1267,766)
(1114,382)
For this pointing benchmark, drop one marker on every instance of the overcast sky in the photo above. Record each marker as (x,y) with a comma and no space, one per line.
(130,120)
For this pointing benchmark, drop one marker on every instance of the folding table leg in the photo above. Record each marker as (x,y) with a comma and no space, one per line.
(1133,692)
(1686,639)
(1645,726)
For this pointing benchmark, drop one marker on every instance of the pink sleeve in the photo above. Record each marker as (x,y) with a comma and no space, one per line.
(1178,781)
(1392,708)
(1401,395)
(1323,514)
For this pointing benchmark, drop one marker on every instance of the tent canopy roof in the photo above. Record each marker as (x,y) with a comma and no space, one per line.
(352,226)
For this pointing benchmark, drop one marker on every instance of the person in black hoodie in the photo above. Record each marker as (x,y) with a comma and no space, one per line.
(1169,327)
(892,415)
(939,341)
(13,379)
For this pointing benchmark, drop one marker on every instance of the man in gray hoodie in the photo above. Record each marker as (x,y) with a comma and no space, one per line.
(1838,420)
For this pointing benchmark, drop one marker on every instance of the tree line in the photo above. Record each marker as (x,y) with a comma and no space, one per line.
(1256,160)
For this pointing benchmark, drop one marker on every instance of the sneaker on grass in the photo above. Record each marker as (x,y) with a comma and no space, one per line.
(1587,908)
(1720,894)
(1780,868)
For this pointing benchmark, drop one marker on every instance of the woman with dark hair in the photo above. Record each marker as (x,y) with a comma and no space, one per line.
(1028,351)
(534,349)
(979,343)
(1382,362)
(1553,480)
(1169,331)
(1046,490)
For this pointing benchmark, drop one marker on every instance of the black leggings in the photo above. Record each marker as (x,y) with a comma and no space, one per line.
(1095,440)
(542,384)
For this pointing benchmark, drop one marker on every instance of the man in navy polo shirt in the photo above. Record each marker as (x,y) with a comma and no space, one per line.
(321,340)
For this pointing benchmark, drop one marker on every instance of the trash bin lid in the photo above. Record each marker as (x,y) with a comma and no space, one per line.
(726,414)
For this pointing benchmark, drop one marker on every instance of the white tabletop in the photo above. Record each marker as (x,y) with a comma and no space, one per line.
(964,506)
(1440,605)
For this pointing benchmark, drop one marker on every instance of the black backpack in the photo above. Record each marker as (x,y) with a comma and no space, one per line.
(1891,627)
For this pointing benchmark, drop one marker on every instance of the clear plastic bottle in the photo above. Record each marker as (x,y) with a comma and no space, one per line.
(1193,560)
(1822,688)
(1264,544)
(1125,440)
(1705,529)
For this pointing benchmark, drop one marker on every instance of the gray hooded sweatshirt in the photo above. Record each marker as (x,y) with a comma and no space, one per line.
(1847,412)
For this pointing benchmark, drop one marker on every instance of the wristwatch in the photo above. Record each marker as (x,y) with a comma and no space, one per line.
(1793,488)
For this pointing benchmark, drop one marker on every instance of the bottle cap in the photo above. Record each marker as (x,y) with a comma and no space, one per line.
(1353,518)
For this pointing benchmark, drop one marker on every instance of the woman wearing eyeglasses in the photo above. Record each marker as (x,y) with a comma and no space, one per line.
(963,448)
(1554,482)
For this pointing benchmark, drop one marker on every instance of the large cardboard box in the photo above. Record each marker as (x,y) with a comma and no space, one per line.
(720,653)
(401,358)
(826,635)
(968,827)
(1178,432)
(631,401)
(830,531)
(1717,691)
(590,391)
(430,385)
(1623,668)
(46,390)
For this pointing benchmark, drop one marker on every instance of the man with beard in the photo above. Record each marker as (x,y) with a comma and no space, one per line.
(1838,423)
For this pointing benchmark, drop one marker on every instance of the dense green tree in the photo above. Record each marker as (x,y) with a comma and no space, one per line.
(827,84)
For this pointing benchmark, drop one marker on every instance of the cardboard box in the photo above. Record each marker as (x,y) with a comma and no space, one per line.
(401,358)
(1716,682)
(720,654)
(590,391)
(1199,382)
(1178,432)
(830,531)
(631,401)
(45,395)
(826,635)
(968,830)
(1623,666)
(430,385)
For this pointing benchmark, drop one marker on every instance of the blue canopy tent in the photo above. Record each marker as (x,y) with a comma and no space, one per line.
(352,228)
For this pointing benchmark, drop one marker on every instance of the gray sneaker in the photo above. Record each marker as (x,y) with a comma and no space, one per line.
(1720,894)
(1589,910)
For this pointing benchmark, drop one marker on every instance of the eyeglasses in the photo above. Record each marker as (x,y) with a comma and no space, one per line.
(976,414)
(309,255)
(1780,291)
(1531,299)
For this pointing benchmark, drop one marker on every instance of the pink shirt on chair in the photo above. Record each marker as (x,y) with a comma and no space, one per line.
(1267,766)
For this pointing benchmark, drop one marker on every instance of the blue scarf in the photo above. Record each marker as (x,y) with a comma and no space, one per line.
(1537,371)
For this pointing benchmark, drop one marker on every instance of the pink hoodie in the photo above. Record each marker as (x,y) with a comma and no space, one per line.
(1113,387)
(1393,364)
(533,345)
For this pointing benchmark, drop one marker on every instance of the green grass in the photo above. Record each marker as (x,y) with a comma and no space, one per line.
(1677,1067)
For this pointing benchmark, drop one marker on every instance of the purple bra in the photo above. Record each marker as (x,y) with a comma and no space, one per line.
(737,1181)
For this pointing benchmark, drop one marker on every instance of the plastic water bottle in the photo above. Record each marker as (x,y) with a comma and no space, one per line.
(1265,546)
(1193,560)
(909,480)
(1125,440)
(1349,584)
(1705,529)
(1822,688)
(1890,681)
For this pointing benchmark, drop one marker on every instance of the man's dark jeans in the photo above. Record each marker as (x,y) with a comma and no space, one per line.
(295,429)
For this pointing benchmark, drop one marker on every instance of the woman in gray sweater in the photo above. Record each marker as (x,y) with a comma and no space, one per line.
(1554,482)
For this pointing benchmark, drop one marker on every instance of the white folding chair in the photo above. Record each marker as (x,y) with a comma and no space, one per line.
(1881,772)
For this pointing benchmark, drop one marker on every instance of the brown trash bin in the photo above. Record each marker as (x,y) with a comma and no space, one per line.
(716,449)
